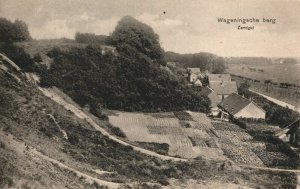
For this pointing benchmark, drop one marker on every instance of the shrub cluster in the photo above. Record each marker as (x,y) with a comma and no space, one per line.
(118,82)
(238,122)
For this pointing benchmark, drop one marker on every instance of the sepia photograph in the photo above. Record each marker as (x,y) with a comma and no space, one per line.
(152,94)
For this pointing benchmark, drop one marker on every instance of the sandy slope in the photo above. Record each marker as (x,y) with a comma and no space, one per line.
(80,114)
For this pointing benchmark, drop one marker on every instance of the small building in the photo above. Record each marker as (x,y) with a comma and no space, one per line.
(193,74)
(212,95)
(214,99)
(223,89)
(294,133)
(197,83)
(240,107)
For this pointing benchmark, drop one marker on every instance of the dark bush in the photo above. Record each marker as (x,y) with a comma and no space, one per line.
(118,82)
(18,56)
(118,132)
(239,122)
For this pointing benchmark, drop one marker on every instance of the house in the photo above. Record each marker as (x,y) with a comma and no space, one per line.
(197,83)
(193,74)
(214,99)
(212,95)
(223,89)
(222,84)
(240,107)
(294,133)
(106,49)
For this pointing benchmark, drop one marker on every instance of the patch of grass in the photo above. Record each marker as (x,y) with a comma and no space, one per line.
(160,148)
(277,153)
(2,145)
(114,130)
(182,115)
(100,151)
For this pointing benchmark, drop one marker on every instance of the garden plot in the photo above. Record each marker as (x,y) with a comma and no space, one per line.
(238,147)
(243,148)
(201,121)
(167,128)
(242,155)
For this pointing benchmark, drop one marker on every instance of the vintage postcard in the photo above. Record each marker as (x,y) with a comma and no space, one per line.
(149,94)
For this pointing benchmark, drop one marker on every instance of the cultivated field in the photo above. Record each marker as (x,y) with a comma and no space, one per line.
(174,129)
(287,73)
(191,134)
(288,95)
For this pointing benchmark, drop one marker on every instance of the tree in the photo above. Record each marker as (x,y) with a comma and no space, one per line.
(5,30)
(134,34)
(13,32)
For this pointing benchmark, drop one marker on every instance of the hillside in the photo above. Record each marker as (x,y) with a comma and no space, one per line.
(45,145)
(38,135)
(77,115)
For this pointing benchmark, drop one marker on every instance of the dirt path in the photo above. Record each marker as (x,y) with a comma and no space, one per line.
(80,114)
(279,102)
(20,147)
(276,169)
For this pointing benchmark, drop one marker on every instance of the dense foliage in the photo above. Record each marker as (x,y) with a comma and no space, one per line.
(132,35)
(204,61)
(18,56)
(90,38)
(13,31)
(118,82)
(130,80)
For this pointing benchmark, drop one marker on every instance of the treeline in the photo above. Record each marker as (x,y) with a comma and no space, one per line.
(91,38)
(260,60)
(13,31)
(204,61)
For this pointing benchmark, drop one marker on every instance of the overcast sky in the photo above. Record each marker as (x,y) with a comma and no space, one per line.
(187,26)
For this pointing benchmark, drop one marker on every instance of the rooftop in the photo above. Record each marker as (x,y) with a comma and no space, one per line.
(223,88)
(193,70)
(234,103)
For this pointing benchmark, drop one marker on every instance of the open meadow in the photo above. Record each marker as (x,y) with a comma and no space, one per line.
(280,73)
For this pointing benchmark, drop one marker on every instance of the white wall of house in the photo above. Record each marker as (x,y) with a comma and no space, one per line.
(198,83)
(193,77)
(251,111)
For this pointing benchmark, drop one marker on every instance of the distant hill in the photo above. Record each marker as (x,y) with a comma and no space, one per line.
(204,61)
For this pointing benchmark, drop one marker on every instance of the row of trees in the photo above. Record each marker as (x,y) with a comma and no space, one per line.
(204,61)
(13,31)
(91,38)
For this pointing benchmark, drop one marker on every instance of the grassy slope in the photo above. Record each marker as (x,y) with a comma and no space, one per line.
(85,150)
(25,117)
